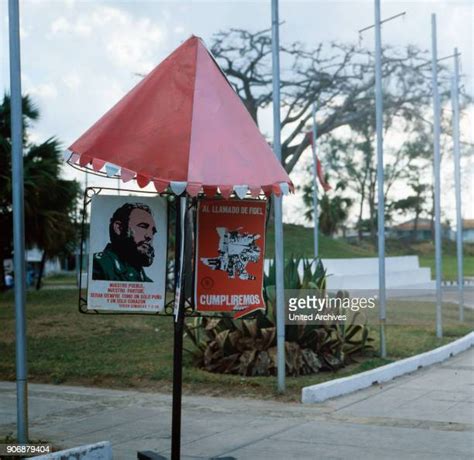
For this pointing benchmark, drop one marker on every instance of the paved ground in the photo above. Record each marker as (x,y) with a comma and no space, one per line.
(450,295)
(426,415)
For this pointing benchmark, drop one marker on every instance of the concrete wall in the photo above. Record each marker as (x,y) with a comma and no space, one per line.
(98,451)
(362,273)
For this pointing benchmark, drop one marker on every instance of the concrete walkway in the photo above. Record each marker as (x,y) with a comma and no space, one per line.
(426,415)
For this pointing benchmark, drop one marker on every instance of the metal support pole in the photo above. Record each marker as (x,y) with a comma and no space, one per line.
(178,332)
(380,178)
(457,181)
(18,222)
(437,176)
(86,240)
(315,186)
(279,257)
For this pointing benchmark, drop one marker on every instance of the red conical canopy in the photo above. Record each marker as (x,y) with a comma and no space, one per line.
(183,126)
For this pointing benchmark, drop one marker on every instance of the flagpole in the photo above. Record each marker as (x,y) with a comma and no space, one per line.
(279,258)
(380,178)
(380,168)
(437,175)
(457,181)
(18,223)
(315,185)
(86,241)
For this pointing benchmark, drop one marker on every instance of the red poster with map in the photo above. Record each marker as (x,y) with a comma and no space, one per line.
(230,256)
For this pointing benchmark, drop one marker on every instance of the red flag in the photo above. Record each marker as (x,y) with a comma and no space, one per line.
(321,178)
(319,167)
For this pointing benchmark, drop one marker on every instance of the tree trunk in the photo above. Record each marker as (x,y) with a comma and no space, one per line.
(362,200)
(270,220)
(432,212)
(415,226)
(372,220)
(41,271)
(418,209)
(359,219)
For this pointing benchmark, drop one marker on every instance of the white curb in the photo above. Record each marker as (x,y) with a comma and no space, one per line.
(345,385)
(99,451)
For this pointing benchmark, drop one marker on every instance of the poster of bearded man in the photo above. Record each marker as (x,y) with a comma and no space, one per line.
(128,254)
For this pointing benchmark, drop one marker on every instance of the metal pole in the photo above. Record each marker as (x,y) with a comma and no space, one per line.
(437,177)
(18,222)
(457,181)
(380,178)
(383,21)
(86,240)
(315,186)
(279,258)
(178,332)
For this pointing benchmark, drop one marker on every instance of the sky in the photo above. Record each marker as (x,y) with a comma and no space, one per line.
(80,57)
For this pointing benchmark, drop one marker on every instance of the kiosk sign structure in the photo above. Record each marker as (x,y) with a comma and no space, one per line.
(229,256)
(128,247)
(184,130)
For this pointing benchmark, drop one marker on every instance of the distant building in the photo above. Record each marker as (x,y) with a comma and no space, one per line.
(424,231)
(467,231)
(33,262)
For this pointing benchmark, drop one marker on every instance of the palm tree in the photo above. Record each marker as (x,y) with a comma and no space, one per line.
(332,213)
(333,209)
(49,200)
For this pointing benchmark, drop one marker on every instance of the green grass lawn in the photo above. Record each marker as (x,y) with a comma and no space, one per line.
(65,346)
(60,279)
(299,243)
(449,266)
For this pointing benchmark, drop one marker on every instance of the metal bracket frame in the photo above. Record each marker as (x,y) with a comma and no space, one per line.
(189,311)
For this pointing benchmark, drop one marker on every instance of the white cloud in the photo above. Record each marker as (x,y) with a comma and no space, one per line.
(129,42)
(111,92)
(42,91)
(137,49)
(105,15)
(35,137)
(23,32)
(62,25)
(72,81)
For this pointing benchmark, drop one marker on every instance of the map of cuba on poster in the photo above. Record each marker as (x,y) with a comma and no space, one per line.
(230,256)
(128,245)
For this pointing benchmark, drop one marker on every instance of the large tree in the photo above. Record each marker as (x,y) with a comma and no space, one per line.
(50,201)
(352,160)
(339,78)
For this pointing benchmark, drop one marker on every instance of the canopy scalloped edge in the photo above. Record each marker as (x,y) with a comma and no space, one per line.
(176,187)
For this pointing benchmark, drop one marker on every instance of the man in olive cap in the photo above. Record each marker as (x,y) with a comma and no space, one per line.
(131,232)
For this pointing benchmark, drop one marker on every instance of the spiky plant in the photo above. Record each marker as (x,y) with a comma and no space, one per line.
(248,347)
